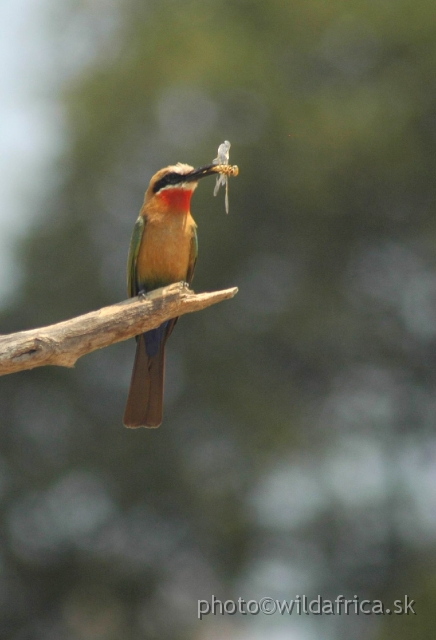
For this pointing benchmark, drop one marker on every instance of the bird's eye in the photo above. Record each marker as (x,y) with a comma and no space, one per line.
(167,180)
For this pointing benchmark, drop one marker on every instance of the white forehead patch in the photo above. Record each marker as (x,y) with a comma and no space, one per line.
(180,168)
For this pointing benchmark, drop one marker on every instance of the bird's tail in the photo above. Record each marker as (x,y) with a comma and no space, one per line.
(145,399)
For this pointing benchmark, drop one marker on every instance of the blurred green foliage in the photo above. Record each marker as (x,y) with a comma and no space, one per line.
(298,449)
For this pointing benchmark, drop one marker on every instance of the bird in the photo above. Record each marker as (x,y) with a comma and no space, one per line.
(163,250)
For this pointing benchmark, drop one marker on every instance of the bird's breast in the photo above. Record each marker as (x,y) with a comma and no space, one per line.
(165,248)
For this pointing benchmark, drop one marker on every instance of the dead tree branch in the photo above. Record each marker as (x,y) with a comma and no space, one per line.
(63,343)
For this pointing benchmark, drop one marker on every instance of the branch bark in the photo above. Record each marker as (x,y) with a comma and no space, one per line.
(64,343)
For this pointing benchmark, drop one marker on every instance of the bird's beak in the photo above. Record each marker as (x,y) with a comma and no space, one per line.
(211,169)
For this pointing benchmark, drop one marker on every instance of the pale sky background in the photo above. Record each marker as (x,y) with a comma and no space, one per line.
(30,126)
(42,44)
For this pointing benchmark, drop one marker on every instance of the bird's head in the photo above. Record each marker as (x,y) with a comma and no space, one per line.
(173,186)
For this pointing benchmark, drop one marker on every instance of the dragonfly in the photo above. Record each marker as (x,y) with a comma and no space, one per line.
(223,179)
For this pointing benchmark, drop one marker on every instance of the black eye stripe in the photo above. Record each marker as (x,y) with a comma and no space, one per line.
(167,180)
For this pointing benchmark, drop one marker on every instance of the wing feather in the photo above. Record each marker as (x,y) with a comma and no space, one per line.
(135,243)
(193,254)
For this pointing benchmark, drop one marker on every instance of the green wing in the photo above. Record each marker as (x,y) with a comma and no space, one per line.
(192,256)
(135,243)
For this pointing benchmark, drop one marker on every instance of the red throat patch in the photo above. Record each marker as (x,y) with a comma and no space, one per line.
(177,199)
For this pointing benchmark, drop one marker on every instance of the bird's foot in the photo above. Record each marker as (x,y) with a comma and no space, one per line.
(184,285)
(142,294)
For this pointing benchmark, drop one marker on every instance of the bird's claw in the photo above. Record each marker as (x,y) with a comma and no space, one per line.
(142,295)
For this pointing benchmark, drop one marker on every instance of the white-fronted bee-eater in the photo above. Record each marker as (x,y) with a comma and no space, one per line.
(163,250)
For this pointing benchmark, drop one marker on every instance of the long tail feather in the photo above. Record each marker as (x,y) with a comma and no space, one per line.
(145,399)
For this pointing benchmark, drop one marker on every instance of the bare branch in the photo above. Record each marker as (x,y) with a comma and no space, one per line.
(63,343)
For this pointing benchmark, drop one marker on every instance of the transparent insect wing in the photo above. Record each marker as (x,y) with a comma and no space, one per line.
(220,181)
(223,180)
(223,153)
